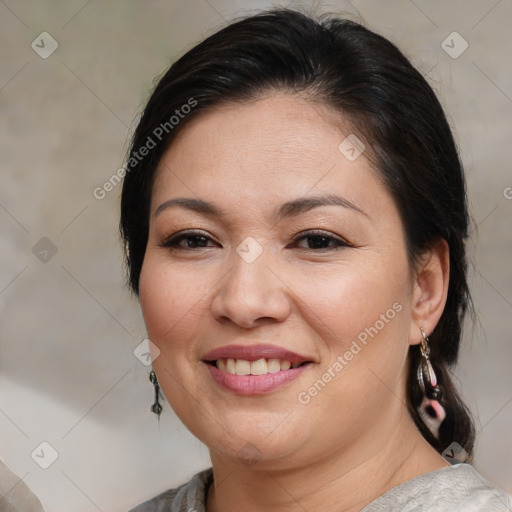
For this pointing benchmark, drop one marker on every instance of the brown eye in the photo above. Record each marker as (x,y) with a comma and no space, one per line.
(320,240)
(187,240)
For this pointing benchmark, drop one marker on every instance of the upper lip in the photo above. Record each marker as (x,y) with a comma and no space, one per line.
(254,352)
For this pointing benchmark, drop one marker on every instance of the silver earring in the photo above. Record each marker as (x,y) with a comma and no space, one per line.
(431,411)
(155,407)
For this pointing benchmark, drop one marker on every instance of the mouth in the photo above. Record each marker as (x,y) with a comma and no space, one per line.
(254,369)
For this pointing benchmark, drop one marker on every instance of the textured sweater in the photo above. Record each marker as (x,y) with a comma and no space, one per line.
(457,488)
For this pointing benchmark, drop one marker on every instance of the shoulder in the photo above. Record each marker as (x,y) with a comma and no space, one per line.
(188,497)
(14,493)
(458,488)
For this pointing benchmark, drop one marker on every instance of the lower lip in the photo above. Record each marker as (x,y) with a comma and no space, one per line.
(255,384)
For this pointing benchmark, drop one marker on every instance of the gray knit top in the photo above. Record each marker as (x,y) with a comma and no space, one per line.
(457,488)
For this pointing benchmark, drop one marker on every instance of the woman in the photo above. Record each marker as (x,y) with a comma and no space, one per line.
(294,217)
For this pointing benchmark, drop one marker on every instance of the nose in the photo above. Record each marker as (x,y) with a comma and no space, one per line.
(251,294)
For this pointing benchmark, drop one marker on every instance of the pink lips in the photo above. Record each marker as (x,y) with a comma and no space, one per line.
(254,384)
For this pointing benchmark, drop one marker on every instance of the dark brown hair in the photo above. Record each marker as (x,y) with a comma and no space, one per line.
(365,79)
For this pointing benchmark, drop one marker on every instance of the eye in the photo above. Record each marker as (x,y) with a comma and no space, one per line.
(188,240)
(320,241)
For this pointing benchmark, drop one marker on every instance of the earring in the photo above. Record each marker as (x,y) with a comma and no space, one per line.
(431,411)
(156,407)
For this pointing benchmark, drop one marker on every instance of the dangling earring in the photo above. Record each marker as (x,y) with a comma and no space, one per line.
(431,411)
(156,407)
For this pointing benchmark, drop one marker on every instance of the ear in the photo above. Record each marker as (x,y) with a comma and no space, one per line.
(430,289)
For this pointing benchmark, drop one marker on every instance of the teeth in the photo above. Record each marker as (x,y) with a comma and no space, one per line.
(242,367)
(258,367)
(273,365)
(285,365)
(230,366)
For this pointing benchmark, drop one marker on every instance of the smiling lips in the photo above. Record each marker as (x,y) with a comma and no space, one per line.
(254,369)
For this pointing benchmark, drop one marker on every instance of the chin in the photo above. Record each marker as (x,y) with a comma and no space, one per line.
(256,448)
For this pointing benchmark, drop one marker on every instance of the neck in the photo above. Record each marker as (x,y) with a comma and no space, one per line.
(344,481)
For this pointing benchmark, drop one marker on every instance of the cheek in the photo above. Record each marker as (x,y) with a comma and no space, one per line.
(346,301)
(170,302)
(361,315)
(173,304)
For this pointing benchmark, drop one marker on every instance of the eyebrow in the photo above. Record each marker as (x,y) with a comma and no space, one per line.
(288,209)
(304,204)
(196,205)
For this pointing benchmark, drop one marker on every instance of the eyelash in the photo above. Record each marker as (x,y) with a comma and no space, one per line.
(318,233)
(173,241)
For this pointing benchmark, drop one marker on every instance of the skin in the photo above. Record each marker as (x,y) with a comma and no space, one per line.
(355,439)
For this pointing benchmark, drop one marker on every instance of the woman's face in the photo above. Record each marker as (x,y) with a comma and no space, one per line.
(280,238)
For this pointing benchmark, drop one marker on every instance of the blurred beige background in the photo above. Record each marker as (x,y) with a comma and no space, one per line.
(68,328)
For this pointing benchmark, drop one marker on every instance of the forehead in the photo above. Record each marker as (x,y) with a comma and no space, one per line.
(276,146)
